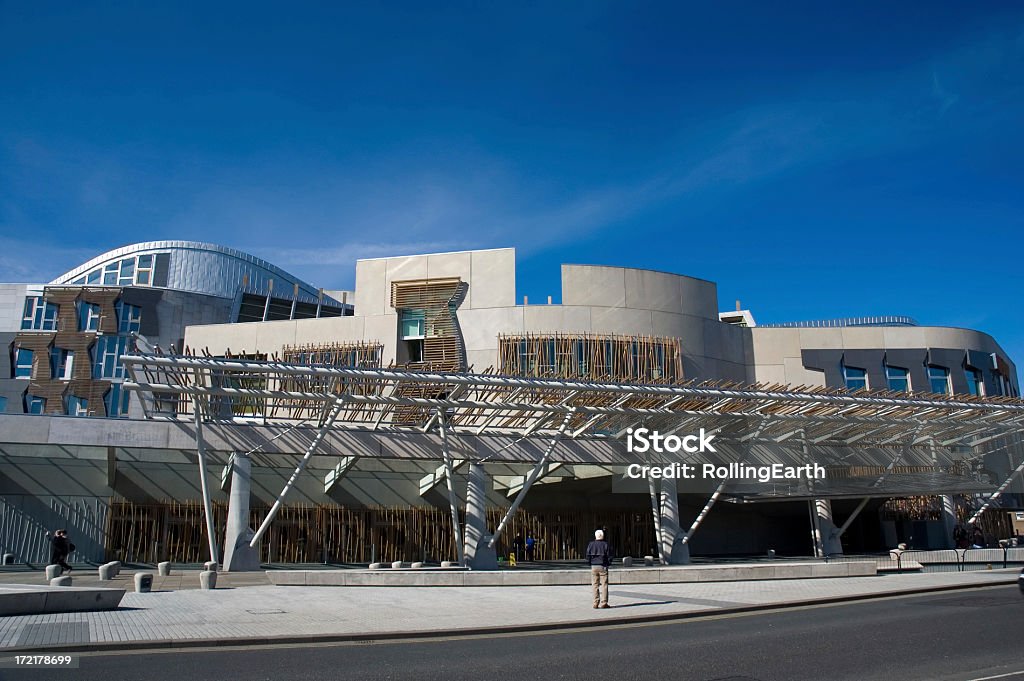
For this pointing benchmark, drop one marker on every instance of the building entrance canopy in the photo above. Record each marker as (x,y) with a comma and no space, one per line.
(924,443)
(874,444)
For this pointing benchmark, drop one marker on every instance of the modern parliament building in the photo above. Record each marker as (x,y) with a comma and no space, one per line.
(915,424)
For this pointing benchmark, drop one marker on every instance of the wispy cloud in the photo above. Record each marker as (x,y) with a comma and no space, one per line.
(317,216)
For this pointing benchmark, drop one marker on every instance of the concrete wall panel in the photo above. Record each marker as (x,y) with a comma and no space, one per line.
(493,279)
(593,285)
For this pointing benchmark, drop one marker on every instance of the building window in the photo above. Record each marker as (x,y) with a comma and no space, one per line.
(144,270)
(856,379)
(88,317)
(1003,385)
(899,379)
(412,324)
(129,318)
(77,406)
(61,363)
(110,274)
(116,400)
(39,315)
(975,382)
(938,380)
(23,363)
(108,351)
(127,273)
(34,405)
(3,405)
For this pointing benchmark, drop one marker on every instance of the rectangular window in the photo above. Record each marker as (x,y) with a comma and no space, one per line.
(899,379)
(129,318)
(34,405)
(144,270)
(938,380)
(414,348)
(88,317)
(77,406)
(61,363)
(23,363)
(93,277)
(108,350)
(975,382)
(856,379)
(411,324)
(127,275)
(3,405)
(39,315)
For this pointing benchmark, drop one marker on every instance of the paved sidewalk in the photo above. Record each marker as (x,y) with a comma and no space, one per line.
(179,579)
(261,614)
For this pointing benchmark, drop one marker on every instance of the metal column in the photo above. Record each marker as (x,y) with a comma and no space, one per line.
(448,478)
(207,505)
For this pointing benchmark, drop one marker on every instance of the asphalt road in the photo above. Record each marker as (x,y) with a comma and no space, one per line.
(961,635)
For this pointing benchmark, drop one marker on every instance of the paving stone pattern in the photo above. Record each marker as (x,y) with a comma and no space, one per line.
(263,611)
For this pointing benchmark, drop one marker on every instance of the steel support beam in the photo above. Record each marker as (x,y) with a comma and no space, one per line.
(298,471)
(534,474)
(852,517)
(203,483)
(449,476)
(995,495)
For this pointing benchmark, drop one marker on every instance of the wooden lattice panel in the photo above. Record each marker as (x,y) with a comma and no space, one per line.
(621,359)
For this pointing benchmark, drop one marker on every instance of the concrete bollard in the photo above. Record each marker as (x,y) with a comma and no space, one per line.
(446,563)
(627,561)
(374,566)
(52,571)
(143,582)
(210,566)
(164,568)
(397,565)
(106,571)
(417,565)
(648,561)
(8,559)
(61,581)
(208,579)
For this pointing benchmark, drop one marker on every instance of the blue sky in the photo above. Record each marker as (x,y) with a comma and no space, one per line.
(819,160)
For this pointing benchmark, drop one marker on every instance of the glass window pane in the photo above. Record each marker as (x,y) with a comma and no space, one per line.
(146,260)
(938,378)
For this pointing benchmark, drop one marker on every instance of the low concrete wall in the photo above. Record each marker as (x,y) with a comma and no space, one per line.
(640,575)
(28,599)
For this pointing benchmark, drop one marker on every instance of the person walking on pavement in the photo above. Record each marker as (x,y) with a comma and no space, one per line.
(599,555)
(60,548)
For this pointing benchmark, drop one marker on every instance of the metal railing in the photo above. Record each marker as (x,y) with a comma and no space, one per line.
(940,560)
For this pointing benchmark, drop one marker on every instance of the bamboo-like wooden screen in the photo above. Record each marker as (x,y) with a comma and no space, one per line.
(619,359)
(358,354)
(175,531)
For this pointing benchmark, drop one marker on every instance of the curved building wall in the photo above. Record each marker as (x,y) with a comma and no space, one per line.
(814,356)
(595,300)
(186,266)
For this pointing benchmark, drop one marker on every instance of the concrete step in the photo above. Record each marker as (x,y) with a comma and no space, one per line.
(32,599)
(512,577)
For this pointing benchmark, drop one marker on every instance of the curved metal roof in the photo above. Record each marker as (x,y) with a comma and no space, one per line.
(202,267)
